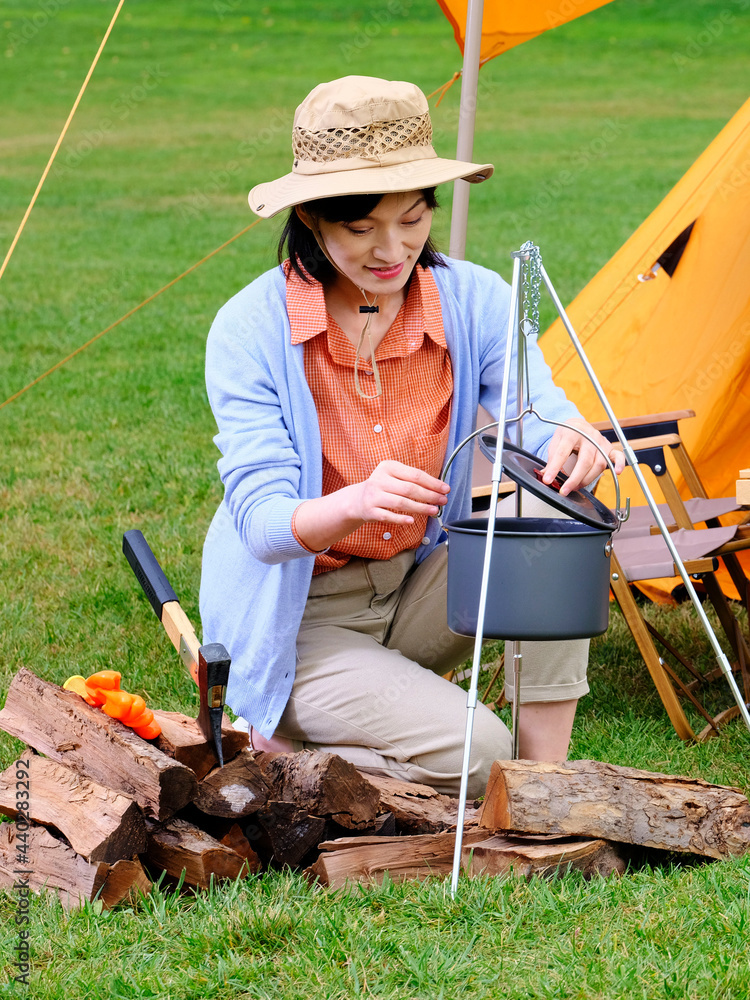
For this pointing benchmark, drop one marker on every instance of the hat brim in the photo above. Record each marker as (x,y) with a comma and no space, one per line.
(267,200)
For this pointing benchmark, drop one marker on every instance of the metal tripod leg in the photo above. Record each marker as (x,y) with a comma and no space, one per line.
(514,651)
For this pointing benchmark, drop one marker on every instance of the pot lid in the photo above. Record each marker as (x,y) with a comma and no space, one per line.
(525,469)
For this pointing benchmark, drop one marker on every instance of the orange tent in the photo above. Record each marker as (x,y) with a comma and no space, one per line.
(505,25)
(681,338)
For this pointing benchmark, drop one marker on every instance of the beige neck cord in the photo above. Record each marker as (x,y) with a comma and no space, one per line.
(371,308)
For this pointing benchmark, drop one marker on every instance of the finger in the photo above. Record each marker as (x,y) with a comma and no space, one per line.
(617,457)
(410,474)
(413,505)
(589,465)
(560,450)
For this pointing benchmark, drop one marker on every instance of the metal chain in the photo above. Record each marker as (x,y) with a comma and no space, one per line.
(532,280)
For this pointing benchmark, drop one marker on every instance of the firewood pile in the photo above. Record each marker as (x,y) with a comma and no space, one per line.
(107,812)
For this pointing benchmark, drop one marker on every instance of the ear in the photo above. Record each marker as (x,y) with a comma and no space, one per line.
(304,216)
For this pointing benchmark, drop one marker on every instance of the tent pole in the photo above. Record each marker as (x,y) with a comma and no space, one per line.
(466,116)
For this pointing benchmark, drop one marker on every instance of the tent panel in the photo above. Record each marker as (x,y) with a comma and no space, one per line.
(681,342)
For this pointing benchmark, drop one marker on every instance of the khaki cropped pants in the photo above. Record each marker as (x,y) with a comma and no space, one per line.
(371,650)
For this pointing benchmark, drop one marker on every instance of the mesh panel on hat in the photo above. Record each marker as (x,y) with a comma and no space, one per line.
(368,141)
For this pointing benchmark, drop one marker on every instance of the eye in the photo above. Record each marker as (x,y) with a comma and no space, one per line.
(414,222)
(355,231)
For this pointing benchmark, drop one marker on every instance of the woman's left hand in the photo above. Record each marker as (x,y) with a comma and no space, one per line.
(590,463)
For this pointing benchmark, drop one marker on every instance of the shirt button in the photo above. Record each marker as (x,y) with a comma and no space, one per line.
(386,535)
(425,540)
(377,428)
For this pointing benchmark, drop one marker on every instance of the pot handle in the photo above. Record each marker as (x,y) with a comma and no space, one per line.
(621,515)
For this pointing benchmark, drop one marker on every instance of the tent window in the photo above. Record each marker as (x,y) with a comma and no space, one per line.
(671,256)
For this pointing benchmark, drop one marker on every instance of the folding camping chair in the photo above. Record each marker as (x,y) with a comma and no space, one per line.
(640,554)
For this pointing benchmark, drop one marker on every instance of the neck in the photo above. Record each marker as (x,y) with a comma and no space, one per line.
(345,295)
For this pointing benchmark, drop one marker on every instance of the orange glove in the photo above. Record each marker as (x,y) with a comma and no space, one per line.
(102,689)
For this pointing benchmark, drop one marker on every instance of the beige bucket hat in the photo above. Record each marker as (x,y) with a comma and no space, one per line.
(361,135)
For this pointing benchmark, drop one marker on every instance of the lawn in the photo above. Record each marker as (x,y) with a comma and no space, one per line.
(589,127)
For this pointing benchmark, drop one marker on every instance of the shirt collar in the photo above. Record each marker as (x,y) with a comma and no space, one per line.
(306,306)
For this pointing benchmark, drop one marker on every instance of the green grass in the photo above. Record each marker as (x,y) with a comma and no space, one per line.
(589,126)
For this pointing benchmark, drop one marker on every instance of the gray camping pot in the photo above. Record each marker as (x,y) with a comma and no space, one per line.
(549,578)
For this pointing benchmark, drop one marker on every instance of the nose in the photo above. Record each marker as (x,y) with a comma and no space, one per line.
(389,248)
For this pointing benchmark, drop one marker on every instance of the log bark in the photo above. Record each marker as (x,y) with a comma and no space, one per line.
(178,846)
(367,859)
(236,790)
(99,824)
(284,833)
(50,863)
(61,725)
(589,798)
(418,808)
(182,738)
(322,784)
(503,855)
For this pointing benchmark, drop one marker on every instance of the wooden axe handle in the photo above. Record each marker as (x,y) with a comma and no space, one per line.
(178,627)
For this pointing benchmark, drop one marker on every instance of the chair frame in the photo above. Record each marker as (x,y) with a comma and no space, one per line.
(649,436)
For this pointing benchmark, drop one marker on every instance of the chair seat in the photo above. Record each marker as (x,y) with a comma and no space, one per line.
(698,510)
(646,556)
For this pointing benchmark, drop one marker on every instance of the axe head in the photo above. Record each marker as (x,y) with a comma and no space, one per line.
(213,674)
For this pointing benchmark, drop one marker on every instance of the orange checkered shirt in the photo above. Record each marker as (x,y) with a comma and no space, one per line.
(408,423)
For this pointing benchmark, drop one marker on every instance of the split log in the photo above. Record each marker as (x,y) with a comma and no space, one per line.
(236,841)
(417,808)
(99,824)
(124,881)
(63,726)
(322,784)
(589,798)
(503,855)
(178,846)
(384,826)
(182,738)
(285,833)
(238,789)
(367,859)
(51,864)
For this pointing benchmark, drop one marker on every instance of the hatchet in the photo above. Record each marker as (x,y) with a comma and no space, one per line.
(208,665)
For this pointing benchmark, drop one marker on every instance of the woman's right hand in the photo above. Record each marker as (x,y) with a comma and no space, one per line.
(392,494)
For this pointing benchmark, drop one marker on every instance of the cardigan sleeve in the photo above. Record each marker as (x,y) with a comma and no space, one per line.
(259,464)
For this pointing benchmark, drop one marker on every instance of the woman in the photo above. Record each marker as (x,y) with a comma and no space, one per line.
(339,382)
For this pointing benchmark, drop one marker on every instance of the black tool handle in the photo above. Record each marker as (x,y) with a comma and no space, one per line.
(148,572)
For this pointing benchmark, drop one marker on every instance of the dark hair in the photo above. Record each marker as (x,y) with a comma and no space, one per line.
(298,242)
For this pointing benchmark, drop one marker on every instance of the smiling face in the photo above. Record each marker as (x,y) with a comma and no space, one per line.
(377,253)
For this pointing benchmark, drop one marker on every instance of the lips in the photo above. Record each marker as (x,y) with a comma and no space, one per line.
(386,272)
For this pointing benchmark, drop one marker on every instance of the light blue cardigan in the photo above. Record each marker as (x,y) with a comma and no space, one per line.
(255,575)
